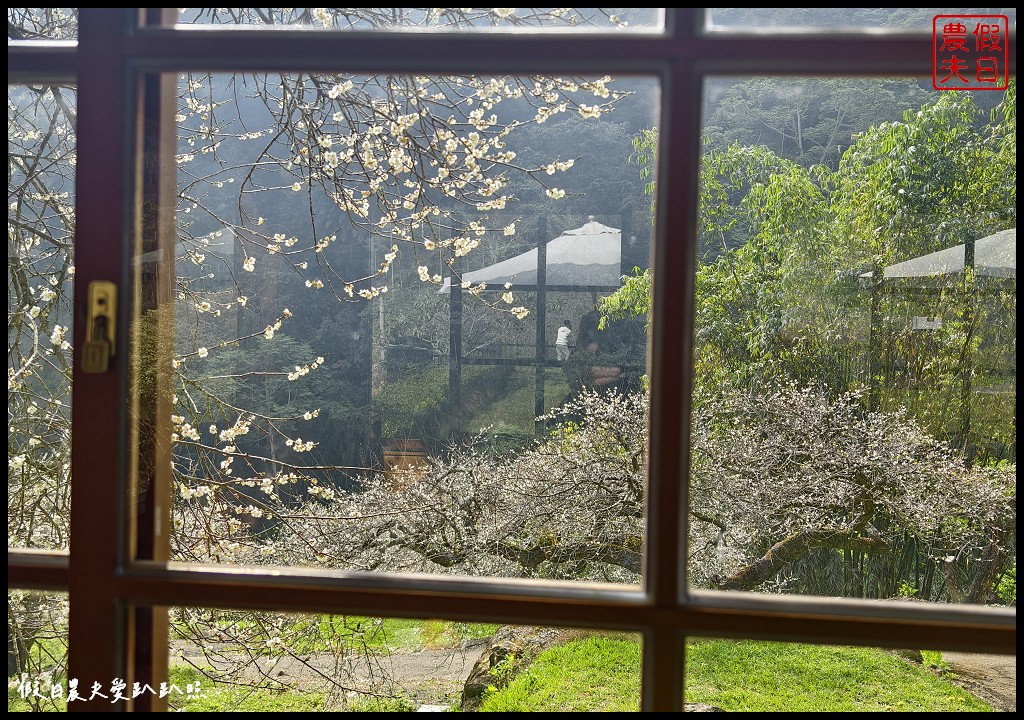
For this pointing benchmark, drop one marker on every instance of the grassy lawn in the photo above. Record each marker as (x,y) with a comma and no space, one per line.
(602,673)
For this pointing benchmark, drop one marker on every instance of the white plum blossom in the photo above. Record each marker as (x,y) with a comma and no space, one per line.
(57,337)
(339,89)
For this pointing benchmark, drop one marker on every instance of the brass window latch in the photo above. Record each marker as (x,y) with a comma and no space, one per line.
(101,324)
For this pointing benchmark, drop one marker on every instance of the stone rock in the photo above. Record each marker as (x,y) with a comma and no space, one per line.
(522,643)
(913,656)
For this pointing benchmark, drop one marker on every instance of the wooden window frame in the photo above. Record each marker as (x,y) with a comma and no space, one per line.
(116,573)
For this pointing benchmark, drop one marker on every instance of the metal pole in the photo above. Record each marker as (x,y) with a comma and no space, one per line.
(455,358)
(874,362)
(966,358)
(542,298)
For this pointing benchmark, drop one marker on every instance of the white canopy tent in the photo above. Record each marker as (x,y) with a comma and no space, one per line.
(590,255)
(994,260)
(586,259)
(994,256)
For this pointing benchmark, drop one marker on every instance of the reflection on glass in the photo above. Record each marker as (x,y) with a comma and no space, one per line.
(243,661)
(371,276)
(752,676)
(37,646)
(915,19)
(40,223)
(42,23)
(436,19)
(855,396)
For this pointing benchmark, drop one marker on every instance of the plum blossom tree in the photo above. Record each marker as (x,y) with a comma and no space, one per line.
(281,177)
(277,174)
(780,477)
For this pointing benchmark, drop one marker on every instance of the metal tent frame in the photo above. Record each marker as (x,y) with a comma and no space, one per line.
(563,264)
(992,259)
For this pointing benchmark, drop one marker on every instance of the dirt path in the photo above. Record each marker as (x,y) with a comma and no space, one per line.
(993,678)
(427,677)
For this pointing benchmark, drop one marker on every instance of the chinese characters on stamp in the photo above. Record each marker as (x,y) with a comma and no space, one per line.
(969,52)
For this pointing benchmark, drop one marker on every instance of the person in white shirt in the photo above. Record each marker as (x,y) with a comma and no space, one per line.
(562,341)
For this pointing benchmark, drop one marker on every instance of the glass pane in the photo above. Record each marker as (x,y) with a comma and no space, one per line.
(916,19)
(753,676)
(272,662)
(40,226)
(444,19)
(37,649)
(42,23)
(854,426)
(327,366)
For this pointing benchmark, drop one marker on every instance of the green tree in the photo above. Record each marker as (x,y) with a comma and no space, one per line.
(778,292)
(810,120)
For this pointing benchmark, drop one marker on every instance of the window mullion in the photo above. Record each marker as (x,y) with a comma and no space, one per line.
(98,634)
(662,686)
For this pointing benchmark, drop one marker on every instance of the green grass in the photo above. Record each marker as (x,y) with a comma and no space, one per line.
(385,636)
(222,697)
(391,635)
(593,674)
(328,633)
(602,674)
(371,704)
(191,691)
(514,411)
(16,703)
(787,677)
(373,635)
(411,405)
(312,634)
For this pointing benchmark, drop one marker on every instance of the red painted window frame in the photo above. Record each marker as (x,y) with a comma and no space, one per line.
(115,573)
